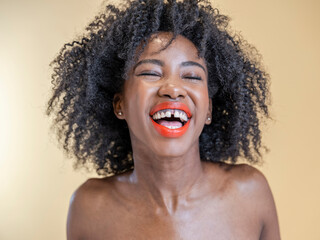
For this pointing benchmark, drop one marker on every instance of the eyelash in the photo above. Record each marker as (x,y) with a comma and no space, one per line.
(148,74)
(157,75)
(194,78)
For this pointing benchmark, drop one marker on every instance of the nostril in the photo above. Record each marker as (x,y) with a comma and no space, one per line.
(172,96)
(172,91)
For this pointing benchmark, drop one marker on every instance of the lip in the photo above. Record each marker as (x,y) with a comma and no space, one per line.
(167,132)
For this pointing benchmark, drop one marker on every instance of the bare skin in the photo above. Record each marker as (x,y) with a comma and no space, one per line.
(171,193)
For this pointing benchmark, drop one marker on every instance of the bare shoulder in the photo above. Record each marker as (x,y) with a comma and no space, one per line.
(256,185)
(241,179)
(92,188)
(86,205)
(92,192)
(250,189)
(250,181)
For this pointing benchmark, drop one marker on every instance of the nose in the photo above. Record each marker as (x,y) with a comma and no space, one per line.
(172,89)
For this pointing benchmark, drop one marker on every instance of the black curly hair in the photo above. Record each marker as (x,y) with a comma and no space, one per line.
(88,72)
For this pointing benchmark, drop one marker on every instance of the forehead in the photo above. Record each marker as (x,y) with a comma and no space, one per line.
(179,47)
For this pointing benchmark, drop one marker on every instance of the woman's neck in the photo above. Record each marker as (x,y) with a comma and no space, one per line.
(168,180)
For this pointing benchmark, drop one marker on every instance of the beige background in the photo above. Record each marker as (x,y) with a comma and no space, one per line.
(36,180)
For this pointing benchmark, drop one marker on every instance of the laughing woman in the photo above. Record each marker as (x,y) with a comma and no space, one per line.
(163,99)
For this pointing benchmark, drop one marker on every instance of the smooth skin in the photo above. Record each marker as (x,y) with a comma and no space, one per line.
(171,193)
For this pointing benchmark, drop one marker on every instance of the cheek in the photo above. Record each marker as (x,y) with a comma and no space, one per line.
(203,107)
(200,97)
(137,96)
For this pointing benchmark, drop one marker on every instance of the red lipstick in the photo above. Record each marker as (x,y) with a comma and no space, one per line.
(167,132)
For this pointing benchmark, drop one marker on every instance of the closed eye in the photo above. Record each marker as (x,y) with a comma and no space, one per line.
(149,74)
(193,77)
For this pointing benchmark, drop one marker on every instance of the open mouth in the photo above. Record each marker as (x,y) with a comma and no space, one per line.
(170,119)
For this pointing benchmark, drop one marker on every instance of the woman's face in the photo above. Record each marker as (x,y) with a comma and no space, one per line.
(165,98)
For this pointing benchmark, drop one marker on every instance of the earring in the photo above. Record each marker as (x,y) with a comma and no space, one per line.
(119,113)
(209,119)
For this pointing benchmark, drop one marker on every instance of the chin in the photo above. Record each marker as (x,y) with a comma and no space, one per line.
(171,148)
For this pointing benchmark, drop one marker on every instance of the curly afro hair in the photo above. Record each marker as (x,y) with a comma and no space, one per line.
(88,72)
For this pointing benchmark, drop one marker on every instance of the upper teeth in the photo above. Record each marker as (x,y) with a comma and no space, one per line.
(169,112)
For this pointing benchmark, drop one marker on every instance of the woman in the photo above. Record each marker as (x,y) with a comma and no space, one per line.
(166,88)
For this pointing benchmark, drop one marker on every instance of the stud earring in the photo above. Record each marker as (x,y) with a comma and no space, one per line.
(209,119)
(119,113)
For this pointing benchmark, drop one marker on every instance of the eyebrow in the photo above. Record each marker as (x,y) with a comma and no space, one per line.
(153,61)
(161,63)
(191,63)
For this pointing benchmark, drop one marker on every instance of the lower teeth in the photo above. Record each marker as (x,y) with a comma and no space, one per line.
(172,127)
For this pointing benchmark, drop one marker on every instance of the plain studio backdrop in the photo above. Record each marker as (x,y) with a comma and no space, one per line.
(37,180)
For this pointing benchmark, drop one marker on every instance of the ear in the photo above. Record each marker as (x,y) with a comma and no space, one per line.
(118,105)
(209,113)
